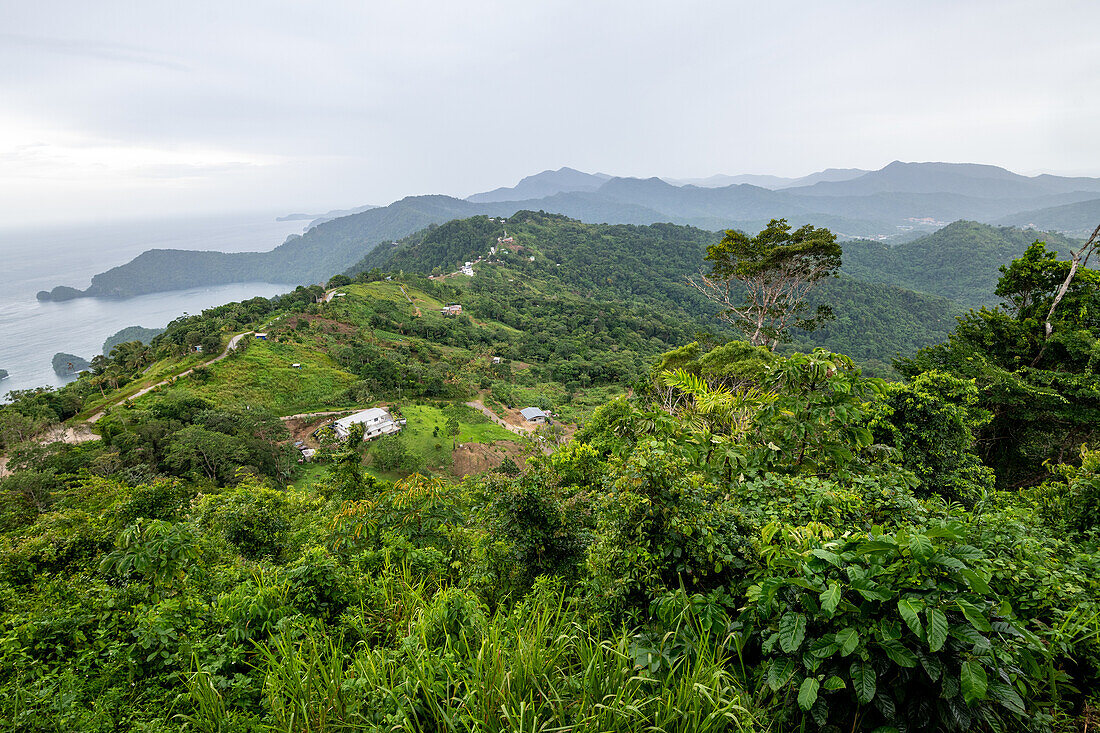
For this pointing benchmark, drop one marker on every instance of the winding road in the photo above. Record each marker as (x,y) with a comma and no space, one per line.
(229,347)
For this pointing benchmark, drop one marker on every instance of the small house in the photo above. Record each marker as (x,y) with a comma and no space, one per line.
(451,310)
(308,453)
(296,366)
(375,421)
(534,415)
(261,336)
(496,359)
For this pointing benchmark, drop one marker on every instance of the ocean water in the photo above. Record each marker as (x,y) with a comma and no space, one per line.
(31,332)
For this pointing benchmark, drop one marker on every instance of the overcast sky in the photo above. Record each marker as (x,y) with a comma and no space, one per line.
(121,109)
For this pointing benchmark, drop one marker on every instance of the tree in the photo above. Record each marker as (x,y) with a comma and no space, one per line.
(761,283)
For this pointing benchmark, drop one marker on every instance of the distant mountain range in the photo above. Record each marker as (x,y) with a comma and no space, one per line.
(893,204)
(772,182)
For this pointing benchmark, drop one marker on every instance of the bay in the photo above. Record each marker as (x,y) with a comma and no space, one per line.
(33,259)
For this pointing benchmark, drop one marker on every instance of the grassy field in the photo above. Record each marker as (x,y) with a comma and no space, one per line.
(263,376)
(427,427)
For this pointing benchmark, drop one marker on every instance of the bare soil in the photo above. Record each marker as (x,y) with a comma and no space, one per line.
(471,458)
(58,434)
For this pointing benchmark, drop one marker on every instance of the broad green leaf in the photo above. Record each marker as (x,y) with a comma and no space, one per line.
(830,598)
(937,629)
(932,667)
(872,546)
(863,681)
(952,530)
(834,683)
(976,582)
(889,630)
(974,615)
(792,630)
(909,609)
(899,654)
(830,557)
(1006,696)
(848,639)
(824,647)
(947,561)
(780,672)
(807,693)
(871,591)
(974,682)
(921,546)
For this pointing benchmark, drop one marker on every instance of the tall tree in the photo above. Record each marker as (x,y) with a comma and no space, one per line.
(761,282)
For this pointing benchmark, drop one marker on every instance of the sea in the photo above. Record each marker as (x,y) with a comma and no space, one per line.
(33,259)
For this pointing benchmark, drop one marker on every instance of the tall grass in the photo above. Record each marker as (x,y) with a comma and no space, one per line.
(538,668)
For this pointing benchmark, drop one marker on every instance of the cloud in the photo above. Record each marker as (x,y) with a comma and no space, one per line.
(88,48)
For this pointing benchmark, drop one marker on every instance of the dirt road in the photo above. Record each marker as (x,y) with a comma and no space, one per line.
(229,347)
(516,428)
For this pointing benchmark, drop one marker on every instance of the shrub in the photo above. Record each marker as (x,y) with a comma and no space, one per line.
(253,519)
(899,630)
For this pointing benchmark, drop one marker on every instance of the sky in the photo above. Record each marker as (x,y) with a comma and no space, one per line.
(113,110)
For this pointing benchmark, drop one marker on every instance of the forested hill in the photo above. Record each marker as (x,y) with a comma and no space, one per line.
(649,265)
(879,204)
(312,257)
(959,262)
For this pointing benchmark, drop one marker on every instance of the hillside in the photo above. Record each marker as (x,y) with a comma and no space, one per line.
(1076,219)
(960,262)
(649,265)
(700,533)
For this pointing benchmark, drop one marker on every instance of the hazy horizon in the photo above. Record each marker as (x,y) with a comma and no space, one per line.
(115,111)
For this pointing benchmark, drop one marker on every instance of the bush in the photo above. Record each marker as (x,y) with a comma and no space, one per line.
(253,519)
(899,630)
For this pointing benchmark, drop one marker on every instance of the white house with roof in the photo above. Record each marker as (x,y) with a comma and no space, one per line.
(535,415)
(375,421)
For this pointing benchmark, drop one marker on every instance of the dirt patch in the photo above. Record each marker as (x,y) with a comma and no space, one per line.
(471,458)
(301,427)
(58,434)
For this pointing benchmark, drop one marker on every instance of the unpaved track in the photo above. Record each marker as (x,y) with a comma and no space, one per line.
(229,347)
(517,429)
(83,433)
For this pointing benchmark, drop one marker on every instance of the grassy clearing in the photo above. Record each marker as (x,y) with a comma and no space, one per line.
(308,474)
(427,428)
(263,376)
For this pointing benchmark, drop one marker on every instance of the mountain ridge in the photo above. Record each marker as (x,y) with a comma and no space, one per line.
(893,203)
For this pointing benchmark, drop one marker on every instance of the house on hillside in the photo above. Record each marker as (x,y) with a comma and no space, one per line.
(261,336)
(535,415)
(451,310)
(375,421)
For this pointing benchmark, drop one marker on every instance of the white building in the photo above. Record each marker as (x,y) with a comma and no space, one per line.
(535,415)
(375,422)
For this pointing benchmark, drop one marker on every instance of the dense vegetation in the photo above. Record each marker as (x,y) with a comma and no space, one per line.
(130,333)
(959,262)
(649,266)
(744,540)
